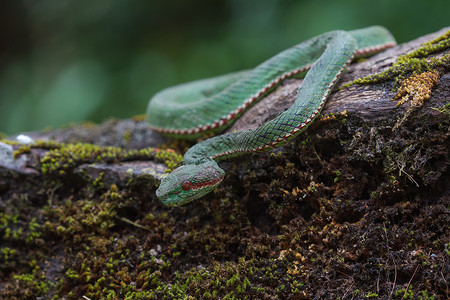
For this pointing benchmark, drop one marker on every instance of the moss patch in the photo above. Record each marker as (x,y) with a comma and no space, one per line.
(415,62)
(62,157)
(329,214)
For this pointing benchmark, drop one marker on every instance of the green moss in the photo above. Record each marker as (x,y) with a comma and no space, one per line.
(98,181)
(371,295)
(34,283)
(434,46)
(139,118)
(62,157)
(424,296)
(445,109)
(404,294)
(7,253)
(415,62)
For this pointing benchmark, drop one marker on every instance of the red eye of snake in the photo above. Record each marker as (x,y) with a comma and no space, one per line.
(187,185)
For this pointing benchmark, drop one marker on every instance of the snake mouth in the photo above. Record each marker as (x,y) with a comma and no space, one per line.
(189,182)
(161,195)
(211,183)
(188,192)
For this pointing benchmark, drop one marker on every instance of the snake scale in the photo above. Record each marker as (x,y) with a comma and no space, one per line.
(211,105)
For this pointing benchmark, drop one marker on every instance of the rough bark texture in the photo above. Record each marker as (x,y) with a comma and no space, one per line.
(350,209)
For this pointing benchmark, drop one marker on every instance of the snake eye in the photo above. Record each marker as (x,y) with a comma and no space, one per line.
(187,185)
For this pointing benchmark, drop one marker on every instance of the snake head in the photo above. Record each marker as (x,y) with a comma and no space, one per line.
(189,182)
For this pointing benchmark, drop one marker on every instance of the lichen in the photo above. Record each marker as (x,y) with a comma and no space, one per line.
(416,88)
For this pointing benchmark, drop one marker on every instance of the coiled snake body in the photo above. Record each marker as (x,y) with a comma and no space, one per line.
(191,109)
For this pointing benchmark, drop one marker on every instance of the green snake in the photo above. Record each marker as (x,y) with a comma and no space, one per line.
(190,110)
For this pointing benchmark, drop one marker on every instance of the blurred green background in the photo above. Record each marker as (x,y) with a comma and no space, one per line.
(74,60)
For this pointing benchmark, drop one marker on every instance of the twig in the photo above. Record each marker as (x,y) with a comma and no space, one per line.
(393,259)
(351,285)
(407,287)
(133,223)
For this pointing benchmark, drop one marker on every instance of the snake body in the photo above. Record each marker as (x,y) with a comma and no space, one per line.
(191,109)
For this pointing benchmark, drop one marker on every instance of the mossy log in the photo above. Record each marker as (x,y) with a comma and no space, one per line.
(355,207)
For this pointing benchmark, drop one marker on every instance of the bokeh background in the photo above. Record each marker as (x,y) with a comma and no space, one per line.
(75,60)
